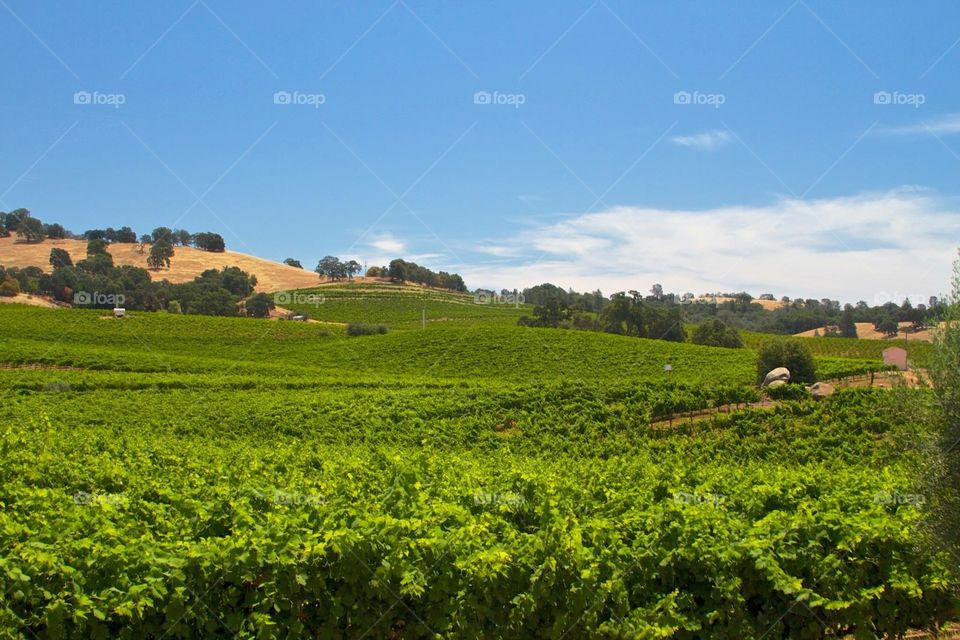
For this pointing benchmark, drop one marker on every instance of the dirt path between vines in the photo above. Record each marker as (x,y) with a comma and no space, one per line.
(883,380)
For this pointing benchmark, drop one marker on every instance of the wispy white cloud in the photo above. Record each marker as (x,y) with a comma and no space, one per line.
(389,244)
(706,141)
(893,244)
(501,250)
(426,257)
(941,126)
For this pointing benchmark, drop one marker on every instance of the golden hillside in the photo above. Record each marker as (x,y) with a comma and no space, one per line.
(185,265)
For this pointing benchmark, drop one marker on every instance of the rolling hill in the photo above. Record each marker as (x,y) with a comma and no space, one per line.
(400,306)
(186,264)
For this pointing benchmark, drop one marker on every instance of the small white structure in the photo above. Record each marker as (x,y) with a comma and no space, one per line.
(896,356)
(119,312)
(299,318)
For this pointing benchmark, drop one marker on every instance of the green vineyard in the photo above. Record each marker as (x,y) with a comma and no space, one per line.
(398,306)
(169,476)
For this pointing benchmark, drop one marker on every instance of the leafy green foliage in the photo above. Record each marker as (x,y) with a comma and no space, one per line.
(945,374)
(517,512)
(160,253)
(403,271)
(790,353)
(714,333)
(208,241)
(29,229)
(60,258)
(9,287)
(219,477)
(790,391)
(259,305)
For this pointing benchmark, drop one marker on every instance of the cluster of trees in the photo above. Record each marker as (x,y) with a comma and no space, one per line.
(624,313)
(30,229)
(336,269)
(714,333)
(403,271)
(399,270)
(739,310)
(582,301)
(213,292)
(794,316)
(121,235)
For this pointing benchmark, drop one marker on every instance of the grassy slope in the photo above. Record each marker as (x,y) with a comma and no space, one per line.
(399,307)
(488,349)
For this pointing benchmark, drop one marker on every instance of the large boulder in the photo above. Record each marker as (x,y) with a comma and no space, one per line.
(821,390)
(780,374)
(777,383)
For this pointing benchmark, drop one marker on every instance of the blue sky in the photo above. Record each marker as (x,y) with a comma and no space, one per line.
(801,148)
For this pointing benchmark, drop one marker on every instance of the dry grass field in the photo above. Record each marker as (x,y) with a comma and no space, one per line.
(187,263)
(865,331)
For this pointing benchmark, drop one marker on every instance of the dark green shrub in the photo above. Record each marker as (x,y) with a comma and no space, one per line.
(791,353)
(714,333)
(9,287)
(364,329)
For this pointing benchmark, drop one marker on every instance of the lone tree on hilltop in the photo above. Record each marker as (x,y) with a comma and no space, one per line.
(30,230)
(207,241)
(160,254)
(331,267)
